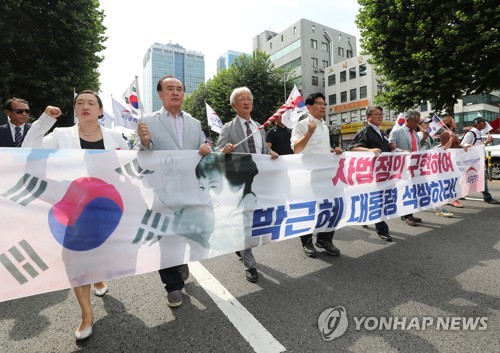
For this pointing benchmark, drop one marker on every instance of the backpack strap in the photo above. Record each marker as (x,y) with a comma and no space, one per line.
(475,137)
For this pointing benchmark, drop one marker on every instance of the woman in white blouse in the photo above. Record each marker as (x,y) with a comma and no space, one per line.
(86,134)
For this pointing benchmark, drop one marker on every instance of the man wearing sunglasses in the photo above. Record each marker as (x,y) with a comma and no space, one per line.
(12,134)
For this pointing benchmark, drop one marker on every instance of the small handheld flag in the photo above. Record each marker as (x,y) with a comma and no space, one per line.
(435,125)
(294,108)
(213,120)
(291,116)
(123,116)
(132,99)
(106,120)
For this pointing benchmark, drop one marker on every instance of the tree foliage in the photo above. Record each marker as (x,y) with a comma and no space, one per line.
(48,48)
(257,73)
(431,50)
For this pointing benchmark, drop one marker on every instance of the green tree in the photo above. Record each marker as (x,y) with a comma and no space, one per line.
(431,50)
(257,73)
(48,48)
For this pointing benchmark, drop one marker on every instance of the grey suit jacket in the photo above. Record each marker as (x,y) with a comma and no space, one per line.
(402,138)
(232,132)
(164,137)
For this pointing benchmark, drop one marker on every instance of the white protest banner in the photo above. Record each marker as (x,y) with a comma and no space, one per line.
(74,217)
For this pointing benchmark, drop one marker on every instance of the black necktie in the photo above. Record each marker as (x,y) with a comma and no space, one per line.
(18,138)
(251,142)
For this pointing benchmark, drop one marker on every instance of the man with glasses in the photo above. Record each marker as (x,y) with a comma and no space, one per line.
(311,135)
(12,134)
(406,139)
(372,139)
(232,133)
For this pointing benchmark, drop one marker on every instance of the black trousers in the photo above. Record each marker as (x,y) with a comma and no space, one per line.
(382,227)
(171,277)
(321,237)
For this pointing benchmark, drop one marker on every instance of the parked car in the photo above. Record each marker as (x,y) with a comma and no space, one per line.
(494,148)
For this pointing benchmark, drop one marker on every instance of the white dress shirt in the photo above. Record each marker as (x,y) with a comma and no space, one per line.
(256,137)
(320,139)
(177,123)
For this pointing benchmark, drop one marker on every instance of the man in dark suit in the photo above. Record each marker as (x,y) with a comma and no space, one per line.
(171,128)
(12,134)
(372,139)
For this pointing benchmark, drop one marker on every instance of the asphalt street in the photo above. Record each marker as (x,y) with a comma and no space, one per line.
(444,269)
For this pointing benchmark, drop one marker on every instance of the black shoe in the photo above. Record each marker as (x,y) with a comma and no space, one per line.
(238,253)
(309,249)
(329,247)
(411,222)
(492,202)
(410,219)
(365,226)
(385,236)
(252,275)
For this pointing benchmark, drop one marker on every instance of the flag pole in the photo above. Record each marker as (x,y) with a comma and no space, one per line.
(112,106)
(139,95)
(441,121)
(246,138)
(208,122)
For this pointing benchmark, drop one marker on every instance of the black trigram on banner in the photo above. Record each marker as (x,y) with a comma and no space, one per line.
(22,262)
(152,223)
(27,189)
(133,170)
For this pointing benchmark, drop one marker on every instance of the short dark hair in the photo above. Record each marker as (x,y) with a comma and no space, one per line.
(239,169)
(371,108)
(312,97)
(207,165)
(242,175)
(159,86)
(8,103)
(478,120)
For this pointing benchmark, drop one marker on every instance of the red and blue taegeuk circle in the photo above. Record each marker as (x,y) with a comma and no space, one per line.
(87,215)
(134,101)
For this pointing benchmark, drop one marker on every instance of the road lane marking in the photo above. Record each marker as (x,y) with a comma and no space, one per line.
(247,325)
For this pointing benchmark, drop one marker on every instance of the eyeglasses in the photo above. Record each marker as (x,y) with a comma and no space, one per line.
(321,103)
(20,111)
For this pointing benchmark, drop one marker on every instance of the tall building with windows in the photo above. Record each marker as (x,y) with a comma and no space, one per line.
(352,85)
(170,59)
(227,59)
(308,48)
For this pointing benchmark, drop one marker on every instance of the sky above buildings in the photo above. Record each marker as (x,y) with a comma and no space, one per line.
(210,27)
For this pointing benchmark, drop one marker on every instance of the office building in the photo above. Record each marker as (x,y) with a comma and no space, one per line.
(352,85)
(308,48)
(227,59)
(170,59)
